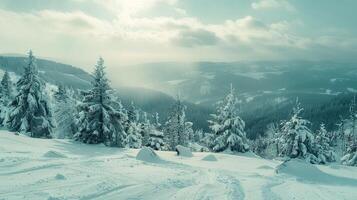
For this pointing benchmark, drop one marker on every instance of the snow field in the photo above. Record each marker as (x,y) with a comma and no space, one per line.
(98,172)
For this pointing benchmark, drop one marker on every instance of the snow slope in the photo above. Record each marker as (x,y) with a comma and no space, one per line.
(63,169)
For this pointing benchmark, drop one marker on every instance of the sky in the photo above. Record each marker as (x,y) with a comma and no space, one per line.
(127,32)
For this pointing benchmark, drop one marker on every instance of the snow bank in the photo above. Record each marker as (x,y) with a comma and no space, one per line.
(54,154)
(148,155)
(210,157)
(183,151)
(306,172)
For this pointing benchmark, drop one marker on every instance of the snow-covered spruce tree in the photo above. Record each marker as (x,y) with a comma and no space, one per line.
(174,130)
(29,111)
(157,123)
(5,97)
(156,140)
(98,120)
(350,156)
(296,139)
(324,152)
(133,138)
(145,129)
(189,131)
(198,135)
(228,127)
(64,112)
(133,113)
(133,128)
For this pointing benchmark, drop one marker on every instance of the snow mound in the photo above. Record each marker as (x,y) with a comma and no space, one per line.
(54,154)
(306,172)
(60,177)
(210,157)
(183,151)
(148,155)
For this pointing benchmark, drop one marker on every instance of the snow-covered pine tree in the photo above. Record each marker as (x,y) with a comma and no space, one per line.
(296,139)
(29,111)
(207,140)
(133,138)
(198,135)
(133,128)
(189,131)
(324,152)
(64,113)
(133,114)
(228,127)
(156,140)
(6,85)
(145,128)
(174,130)
(98,119)
(157,123)
(350,156)
(5,97)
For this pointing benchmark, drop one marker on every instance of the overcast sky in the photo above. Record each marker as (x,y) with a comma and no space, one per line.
(140,31)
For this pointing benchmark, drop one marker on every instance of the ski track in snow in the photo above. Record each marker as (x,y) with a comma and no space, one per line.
(96,172)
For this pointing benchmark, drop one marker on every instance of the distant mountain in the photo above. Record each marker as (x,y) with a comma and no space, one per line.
(266,89)
(148,100)
(52,72)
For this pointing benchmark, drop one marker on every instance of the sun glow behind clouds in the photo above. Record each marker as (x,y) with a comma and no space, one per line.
(139,31)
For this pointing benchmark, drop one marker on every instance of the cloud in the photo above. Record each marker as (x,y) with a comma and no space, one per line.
(132,7)
(131,36)
(191,38)
(273,4)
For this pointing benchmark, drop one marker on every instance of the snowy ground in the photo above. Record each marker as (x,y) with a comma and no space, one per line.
(63,169)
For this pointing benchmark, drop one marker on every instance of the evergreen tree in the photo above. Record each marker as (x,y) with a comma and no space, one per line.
(61,94)
(189,131)
(5,97)
(350,156)
(133,114)
(296,139)
(323,150)
(64,112)
(157,123)
(6,85)
(175,131)
(198,135)
(133,138)
(98,119)
(146,129)
(156,140)
(228,127)
(29,111)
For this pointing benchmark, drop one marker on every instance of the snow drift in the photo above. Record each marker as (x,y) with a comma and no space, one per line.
(148,155)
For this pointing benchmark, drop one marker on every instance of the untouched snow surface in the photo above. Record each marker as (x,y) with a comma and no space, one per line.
(98,172)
